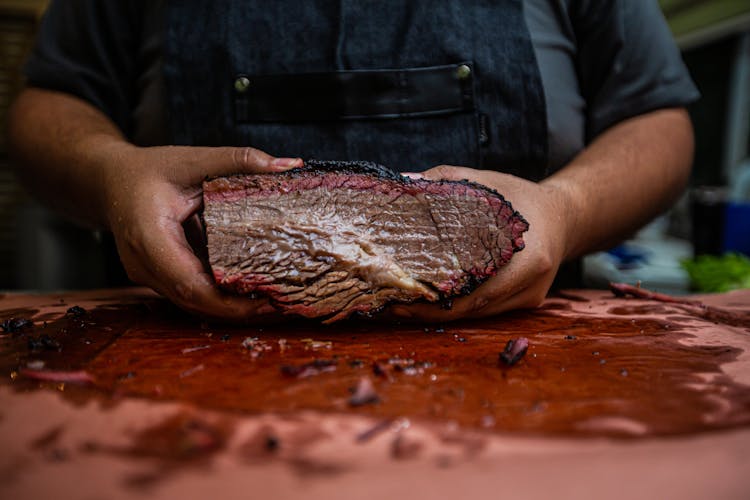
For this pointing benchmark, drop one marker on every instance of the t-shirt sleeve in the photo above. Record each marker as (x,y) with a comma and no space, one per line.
(89,48)
(628,63)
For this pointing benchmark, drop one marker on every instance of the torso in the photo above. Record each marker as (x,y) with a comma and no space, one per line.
(553,46)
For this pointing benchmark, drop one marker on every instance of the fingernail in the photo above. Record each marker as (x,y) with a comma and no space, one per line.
(287,162)
(413,175)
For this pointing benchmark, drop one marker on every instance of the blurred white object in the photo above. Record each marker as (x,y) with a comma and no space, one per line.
(652,259)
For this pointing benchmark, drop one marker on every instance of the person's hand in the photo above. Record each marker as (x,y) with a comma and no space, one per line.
(524,282)
(151,194)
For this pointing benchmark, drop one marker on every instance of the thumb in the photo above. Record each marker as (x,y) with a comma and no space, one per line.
(243,160)
(448,172)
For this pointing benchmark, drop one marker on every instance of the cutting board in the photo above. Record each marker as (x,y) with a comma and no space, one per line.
(597,367)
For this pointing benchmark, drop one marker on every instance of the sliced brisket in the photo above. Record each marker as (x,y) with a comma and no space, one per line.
(334,238)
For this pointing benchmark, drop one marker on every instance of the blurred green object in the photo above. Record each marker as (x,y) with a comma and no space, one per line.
(709,273)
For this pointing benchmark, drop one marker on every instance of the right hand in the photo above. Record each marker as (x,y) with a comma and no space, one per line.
(524,282)
(150,193)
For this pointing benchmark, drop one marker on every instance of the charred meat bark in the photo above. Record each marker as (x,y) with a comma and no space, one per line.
(334,238)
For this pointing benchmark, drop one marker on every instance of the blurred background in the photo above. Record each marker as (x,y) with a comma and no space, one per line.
(712,220)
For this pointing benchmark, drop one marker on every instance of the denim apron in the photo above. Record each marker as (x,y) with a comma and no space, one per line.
(409,84)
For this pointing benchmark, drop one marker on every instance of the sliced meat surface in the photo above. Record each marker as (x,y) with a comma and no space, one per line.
(334,238)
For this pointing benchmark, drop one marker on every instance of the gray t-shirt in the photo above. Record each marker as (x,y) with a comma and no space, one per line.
(601,62)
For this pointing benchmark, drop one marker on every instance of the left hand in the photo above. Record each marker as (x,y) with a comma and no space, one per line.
(524,282)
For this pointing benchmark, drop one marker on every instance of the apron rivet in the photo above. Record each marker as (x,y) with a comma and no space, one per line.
(241,84)
(463,72)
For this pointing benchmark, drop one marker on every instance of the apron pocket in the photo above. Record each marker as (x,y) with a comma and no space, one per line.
(355,94)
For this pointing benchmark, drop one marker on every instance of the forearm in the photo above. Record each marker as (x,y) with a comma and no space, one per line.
(61,145)
(75,158)
(628,175)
